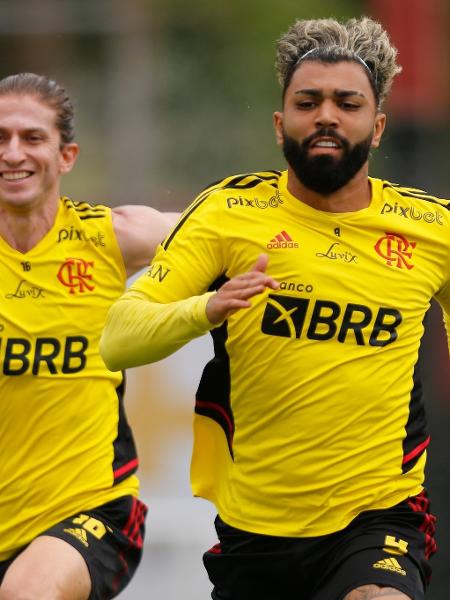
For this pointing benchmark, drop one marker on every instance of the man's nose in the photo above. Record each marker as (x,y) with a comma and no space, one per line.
(12,151)
(327,115)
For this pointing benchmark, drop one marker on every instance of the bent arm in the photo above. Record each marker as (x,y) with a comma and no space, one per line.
(173,302)
(447,327)
(139,331)
(443,297)
(139,230)
(166,306)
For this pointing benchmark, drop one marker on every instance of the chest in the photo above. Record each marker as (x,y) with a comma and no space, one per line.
(59,286)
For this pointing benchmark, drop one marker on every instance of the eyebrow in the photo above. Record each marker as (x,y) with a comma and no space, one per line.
(337,93)
(26,130)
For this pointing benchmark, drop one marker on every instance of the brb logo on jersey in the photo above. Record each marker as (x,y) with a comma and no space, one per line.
(396,250)
(286,316)
(75,274)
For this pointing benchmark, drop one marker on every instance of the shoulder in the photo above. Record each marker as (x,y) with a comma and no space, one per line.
(139,230)
(237,190)
(144,217)
(86,211)
(244,181)
(415,204)
(415,195)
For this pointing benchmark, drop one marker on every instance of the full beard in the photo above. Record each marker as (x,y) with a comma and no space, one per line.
(325,174)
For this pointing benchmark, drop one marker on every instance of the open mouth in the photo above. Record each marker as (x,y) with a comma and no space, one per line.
(325,143)
(15,175)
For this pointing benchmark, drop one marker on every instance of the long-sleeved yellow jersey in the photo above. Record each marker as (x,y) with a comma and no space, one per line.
(310,411)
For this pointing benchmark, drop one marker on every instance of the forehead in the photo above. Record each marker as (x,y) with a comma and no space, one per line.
(26,111)
(330,77)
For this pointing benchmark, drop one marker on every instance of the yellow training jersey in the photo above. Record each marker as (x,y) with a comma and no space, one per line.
(66,443)
(310,411)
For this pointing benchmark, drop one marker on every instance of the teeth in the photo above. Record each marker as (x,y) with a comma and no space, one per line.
(16,175)
(326,144)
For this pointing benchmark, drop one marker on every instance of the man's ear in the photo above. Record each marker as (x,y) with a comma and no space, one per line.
(69,153)
(378,129)
(278,125)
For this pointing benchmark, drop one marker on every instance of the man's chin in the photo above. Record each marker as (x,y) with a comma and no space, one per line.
(332,154)
(17,200)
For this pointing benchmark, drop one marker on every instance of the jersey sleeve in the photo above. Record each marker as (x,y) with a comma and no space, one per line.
(166,307)
(443,297)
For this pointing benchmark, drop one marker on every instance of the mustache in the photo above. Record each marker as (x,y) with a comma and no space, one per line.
(325,132)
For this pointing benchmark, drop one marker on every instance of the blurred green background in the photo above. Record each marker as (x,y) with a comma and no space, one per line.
(171,95)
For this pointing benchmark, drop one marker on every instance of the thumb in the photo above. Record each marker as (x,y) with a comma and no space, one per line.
(261,263)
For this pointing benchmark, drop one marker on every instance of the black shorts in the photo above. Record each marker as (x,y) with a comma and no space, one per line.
(388,548)
(110,539)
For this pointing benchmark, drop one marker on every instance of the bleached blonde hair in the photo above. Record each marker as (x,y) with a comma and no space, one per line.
(328,40)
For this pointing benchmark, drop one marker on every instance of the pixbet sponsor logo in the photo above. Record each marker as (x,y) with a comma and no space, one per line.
(71,234)
(411,212)
(273,202)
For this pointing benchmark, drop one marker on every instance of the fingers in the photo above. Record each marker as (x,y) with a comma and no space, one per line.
(254,281)
(261,263)
(236,293)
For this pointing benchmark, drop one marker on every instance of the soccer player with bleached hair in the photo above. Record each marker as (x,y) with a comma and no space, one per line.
(310,432)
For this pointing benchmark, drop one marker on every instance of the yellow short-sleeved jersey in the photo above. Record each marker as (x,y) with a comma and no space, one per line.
(310,411)
(66,445)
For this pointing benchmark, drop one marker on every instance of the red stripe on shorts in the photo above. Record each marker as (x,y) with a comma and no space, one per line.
(420,503)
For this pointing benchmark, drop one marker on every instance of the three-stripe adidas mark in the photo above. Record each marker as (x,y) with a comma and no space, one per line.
(79,533)
(282,240)
(390,564)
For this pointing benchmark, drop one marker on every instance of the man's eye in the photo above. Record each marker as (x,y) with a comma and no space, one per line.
(306,104)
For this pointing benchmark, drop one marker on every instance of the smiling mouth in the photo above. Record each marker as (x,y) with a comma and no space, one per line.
(16,175)
(325,144)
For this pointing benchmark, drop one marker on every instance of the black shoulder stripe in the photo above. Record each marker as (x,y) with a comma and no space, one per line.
(234,182)
(407,192)
(432,199)
(254,180)
(250,184)
(85,207)
(184,218)
(99,216)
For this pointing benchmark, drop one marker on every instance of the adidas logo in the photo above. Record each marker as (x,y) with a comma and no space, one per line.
(80,534)
(282,240)
(390,564)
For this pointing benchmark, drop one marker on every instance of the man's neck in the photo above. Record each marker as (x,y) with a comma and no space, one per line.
(355,195)
(23,229)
